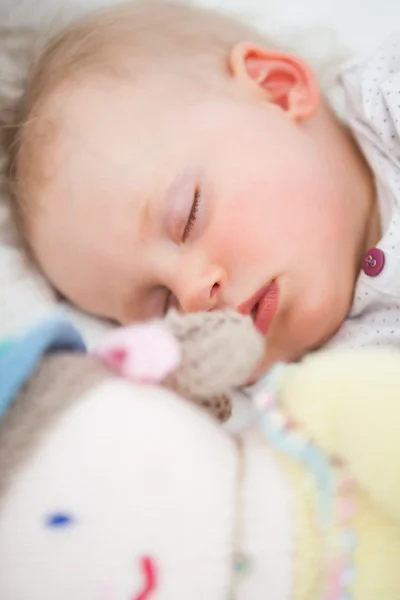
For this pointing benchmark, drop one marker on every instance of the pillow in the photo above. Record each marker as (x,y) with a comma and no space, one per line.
(25,295)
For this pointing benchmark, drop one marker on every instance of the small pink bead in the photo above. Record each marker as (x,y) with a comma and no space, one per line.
(277,419)
(335,586)
(265,400)
(269,400)
(346,482)
(348,509)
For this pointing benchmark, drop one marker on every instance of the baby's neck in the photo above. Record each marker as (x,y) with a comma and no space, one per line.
(368,194)
(364,191)
(359,181)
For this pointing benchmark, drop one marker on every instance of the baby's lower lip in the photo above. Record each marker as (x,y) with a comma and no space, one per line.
(265,309)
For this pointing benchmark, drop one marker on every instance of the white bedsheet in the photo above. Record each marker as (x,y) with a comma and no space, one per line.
(24,295)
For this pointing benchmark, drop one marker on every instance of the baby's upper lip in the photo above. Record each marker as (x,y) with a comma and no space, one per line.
(247,307)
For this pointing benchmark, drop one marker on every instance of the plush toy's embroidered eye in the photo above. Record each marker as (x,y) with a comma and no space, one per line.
(59,520)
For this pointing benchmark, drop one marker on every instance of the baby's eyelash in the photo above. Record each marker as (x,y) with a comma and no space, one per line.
(192,216)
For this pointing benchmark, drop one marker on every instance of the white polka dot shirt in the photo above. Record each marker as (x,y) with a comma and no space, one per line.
(372,88)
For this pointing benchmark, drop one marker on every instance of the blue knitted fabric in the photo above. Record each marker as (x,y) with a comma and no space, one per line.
(20,356)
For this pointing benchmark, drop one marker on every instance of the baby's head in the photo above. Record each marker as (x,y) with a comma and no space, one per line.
(171,156)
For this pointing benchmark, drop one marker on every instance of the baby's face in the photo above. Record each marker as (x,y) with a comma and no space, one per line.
(156,201)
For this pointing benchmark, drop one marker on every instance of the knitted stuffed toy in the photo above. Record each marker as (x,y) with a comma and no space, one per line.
(114,487)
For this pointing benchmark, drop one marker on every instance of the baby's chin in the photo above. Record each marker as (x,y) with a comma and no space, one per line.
(273,356)
(262,368)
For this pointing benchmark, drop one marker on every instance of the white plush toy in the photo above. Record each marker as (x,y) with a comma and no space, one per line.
(112,489)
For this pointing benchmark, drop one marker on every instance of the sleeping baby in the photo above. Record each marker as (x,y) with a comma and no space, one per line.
(167,156)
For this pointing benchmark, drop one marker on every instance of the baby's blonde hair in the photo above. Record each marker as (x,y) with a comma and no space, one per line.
(127,40)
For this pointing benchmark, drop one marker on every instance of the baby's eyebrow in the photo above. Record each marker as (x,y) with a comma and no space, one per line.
(146,216)
(144,221)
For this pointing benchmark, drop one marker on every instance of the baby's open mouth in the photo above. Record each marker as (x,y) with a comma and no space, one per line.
(262,306)
(254,311)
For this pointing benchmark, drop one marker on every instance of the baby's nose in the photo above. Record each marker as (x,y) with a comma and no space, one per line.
(202,292)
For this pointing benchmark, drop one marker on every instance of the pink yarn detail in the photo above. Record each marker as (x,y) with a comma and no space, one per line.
(335,585)
(348,509)
(143,353)
(269,400)
(265,399)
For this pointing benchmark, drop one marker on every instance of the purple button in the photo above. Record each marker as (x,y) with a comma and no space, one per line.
(373,262)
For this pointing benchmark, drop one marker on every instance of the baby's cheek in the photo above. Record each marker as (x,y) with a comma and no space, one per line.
(240,232)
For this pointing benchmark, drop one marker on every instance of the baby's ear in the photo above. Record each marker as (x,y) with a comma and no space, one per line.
(220,350)
(281,78)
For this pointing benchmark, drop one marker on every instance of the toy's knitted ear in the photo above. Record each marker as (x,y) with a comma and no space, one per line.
(202,356)
(220,350)
(145,352)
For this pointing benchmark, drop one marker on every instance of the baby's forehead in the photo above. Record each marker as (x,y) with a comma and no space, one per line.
(109,119)
(79,128)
